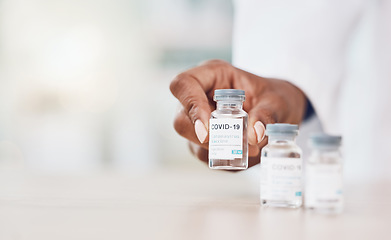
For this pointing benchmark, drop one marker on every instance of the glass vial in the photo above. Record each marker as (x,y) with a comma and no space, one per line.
(281,167)
(228,147)
(323,188)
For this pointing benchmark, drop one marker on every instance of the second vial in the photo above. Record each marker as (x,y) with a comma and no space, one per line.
(281,167)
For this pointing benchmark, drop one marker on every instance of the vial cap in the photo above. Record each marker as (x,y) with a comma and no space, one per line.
(325,140)
(282,129)
(229,94)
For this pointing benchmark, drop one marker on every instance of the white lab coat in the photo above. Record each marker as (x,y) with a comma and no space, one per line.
(339,54)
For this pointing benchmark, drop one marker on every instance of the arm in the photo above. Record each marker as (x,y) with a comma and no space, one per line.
(304,42)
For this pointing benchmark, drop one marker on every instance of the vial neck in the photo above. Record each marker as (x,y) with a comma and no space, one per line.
(229,105)
(281,139)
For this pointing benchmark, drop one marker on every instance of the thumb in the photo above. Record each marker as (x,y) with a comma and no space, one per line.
(259,117)
(195,102)
(199,114)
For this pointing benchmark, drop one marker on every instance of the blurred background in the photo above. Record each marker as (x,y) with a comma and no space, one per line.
(84,85)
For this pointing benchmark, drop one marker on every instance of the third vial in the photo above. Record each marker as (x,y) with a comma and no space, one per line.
(323,188)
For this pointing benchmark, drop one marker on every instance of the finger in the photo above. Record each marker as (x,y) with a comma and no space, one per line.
(254,160)
(191,89)
(184,127)
(190,93)
(253,150)
(200,152)
(262,114)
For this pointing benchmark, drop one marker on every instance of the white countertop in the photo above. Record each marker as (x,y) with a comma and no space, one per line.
(175,204)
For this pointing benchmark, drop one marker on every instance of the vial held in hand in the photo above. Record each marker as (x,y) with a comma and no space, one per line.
(228,147)
(281,167)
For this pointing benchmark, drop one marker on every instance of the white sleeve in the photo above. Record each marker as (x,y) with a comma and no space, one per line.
(301,41)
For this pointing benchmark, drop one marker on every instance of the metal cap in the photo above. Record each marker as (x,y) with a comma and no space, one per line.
(229,94)
(282,129)
(325,140)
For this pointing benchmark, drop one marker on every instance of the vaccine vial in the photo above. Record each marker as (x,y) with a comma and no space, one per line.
(281,167)
(228,147)
(323,187)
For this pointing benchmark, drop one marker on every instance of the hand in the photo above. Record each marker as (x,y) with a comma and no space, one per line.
(267,101)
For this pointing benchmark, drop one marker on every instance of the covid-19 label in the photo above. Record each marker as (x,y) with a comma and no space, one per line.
(281,179)
(225,138)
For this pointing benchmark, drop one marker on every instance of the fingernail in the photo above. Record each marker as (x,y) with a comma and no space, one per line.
(200,131)
(259,130)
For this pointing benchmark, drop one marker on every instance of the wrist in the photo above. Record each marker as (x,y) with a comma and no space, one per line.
(298,103)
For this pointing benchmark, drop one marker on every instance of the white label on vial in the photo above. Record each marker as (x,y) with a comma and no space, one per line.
(323,185)
(225,138)
(281,178)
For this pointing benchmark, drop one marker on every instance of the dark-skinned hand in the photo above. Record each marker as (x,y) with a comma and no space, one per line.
(267,101)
